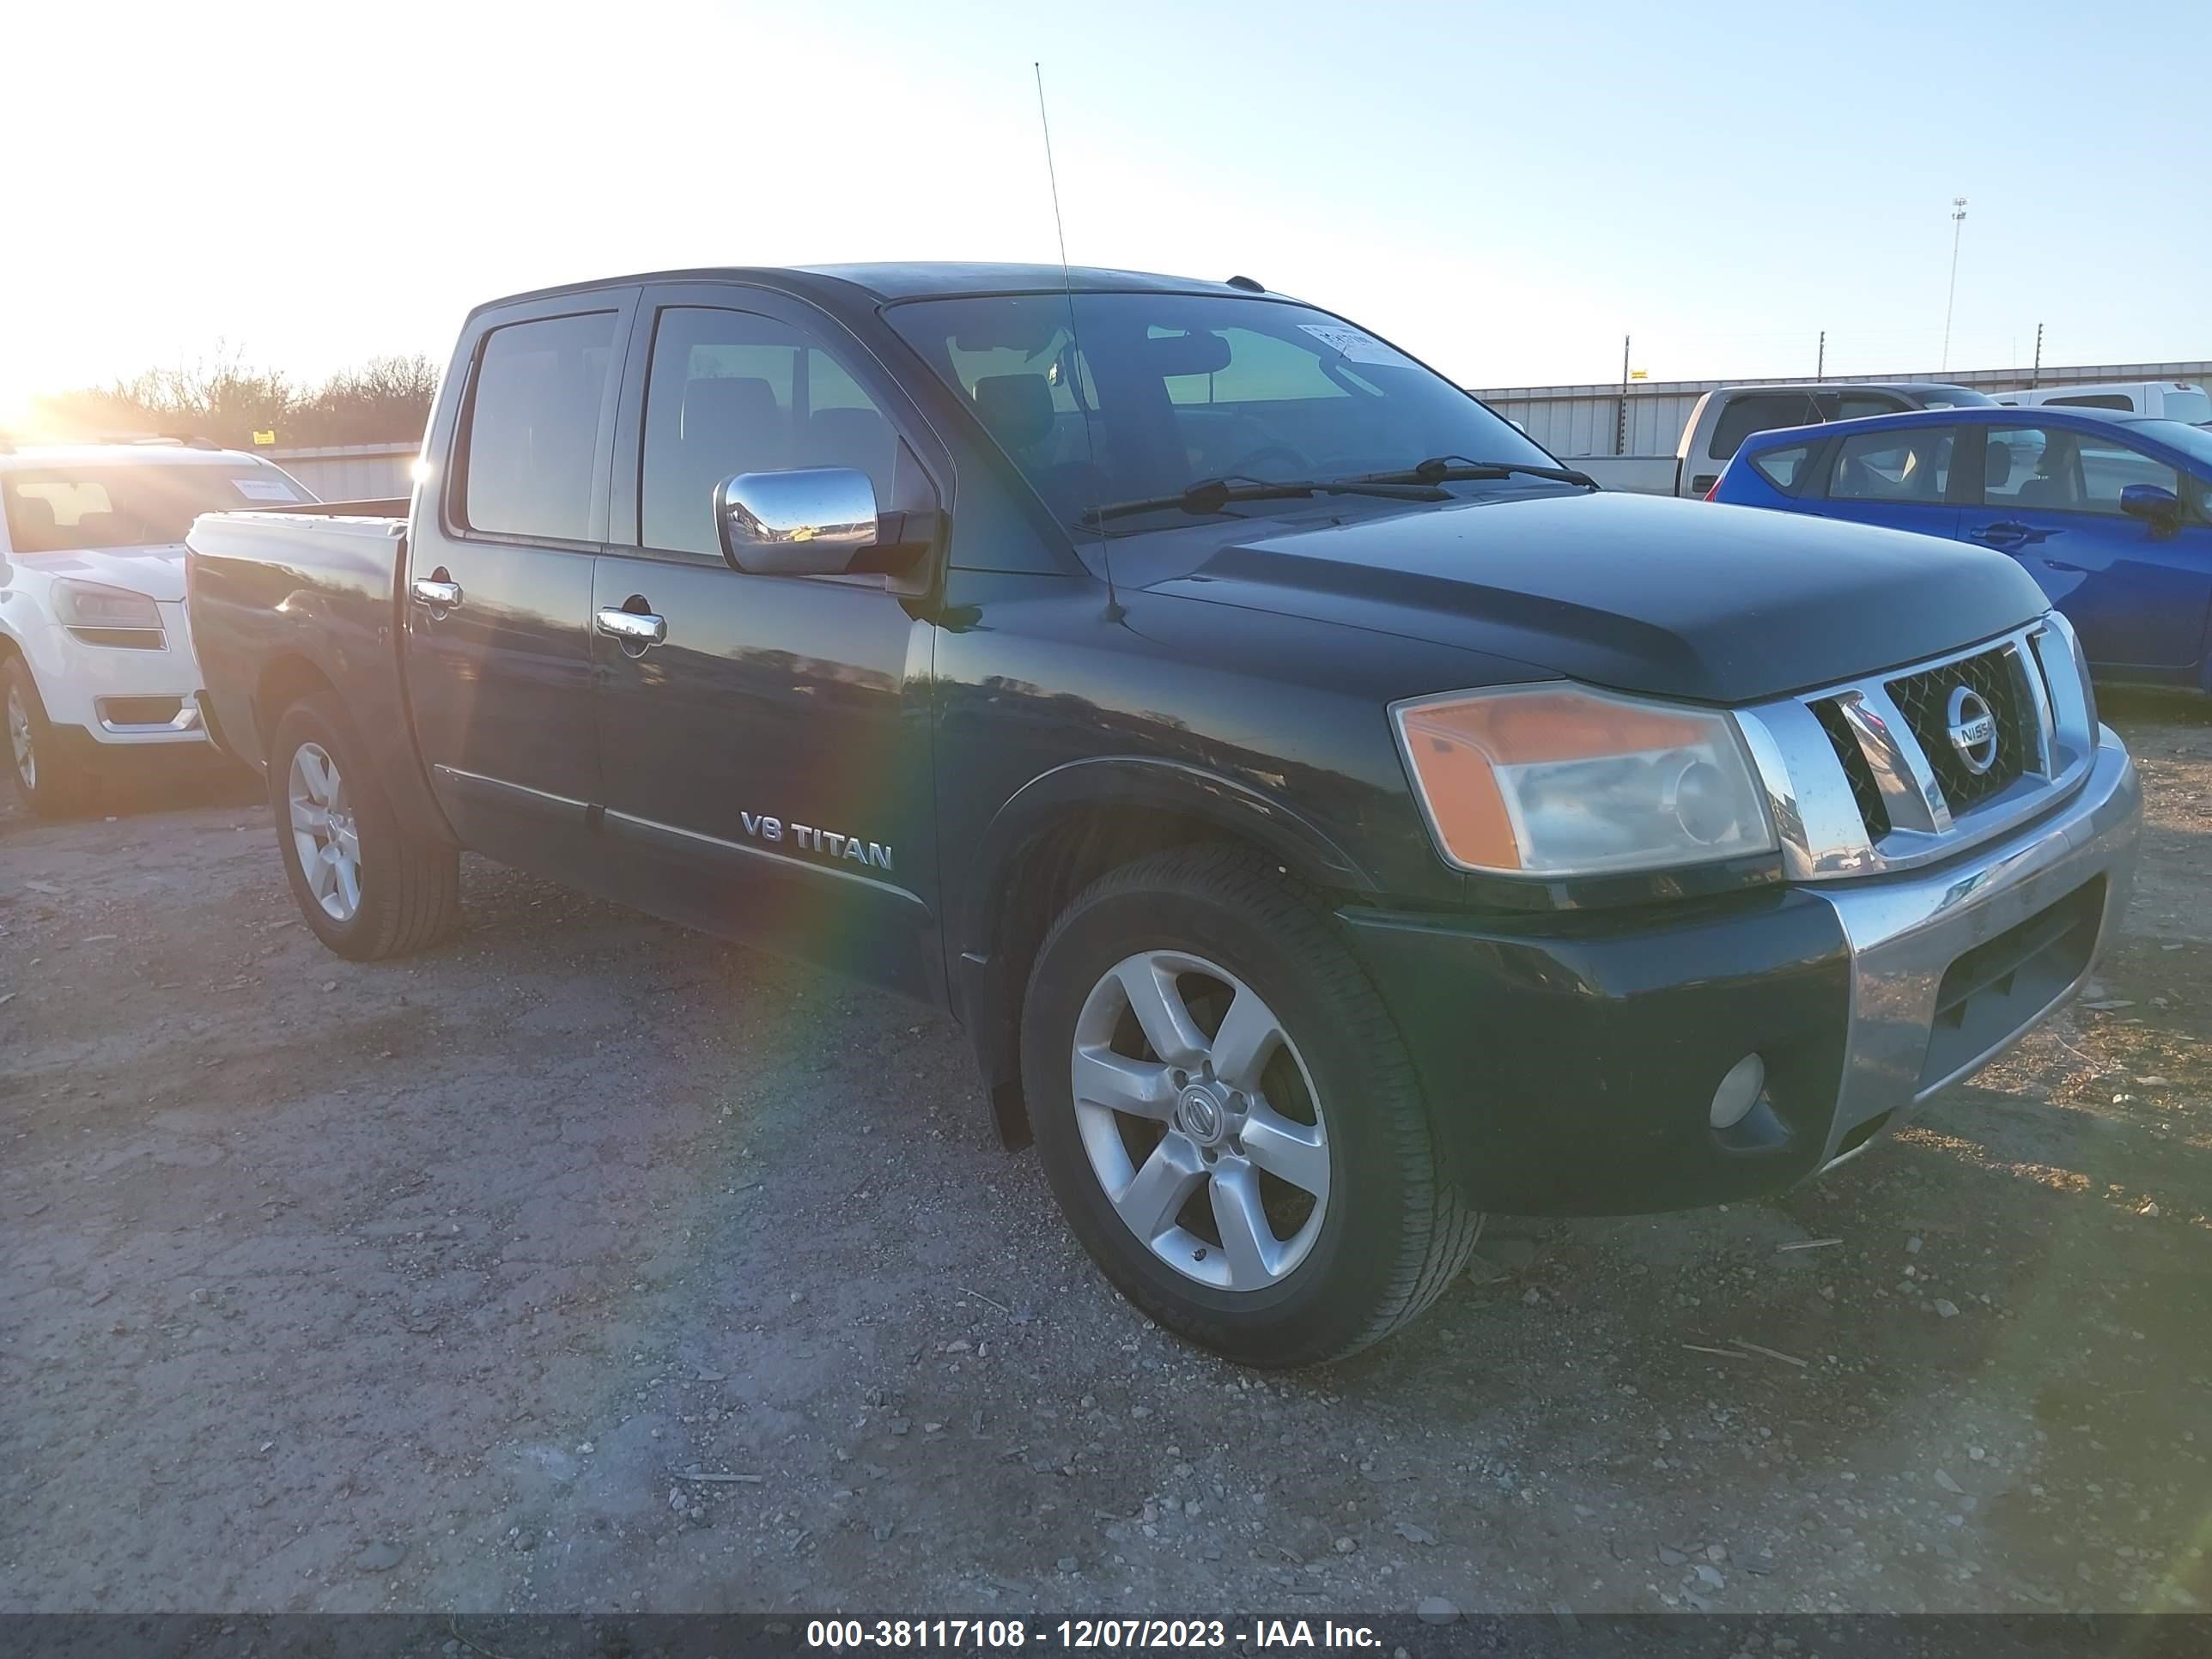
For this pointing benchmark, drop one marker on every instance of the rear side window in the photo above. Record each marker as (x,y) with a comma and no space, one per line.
(1910,465)
(1761,412)
(534,427)
(1781,466)
(2119,400)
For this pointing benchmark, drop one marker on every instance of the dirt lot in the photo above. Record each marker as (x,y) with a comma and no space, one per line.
(439,1284)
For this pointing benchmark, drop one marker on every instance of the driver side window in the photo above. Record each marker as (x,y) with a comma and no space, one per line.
(2059,468)
(729,391)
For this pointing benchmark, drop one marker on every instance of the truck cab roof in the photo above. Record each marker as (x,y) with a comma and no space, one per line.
(887,282)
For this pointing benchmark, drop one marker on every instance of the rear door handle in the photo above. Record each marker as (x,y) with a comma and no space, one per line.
(2002,535)
(438,592)
(638,630)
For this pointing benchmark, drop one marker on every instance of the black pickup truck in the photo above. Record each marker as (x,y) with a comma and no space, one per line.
(1327,816)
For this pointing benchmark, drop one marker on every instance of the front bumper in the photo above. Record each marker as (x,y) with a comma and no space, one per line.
(119,697)
(1570,1062)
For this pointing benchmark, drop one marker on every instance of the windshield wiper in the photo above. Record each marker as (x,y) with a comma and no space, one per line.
(1455,469)
(1210,496)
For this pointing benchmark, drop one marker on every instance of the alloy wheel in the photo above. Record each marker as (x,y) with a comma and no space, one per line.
(1200,1121)
(324,832)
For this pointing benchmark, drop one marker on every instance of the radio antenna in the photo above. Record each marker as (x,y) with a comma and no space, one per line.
(1075,361)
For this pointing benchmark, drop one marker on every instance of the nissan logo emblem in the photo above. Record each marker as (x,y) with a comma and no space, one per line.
(1974,729)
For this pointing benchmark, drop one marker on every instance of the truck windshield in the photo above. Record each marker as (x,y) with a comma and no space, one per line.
(63,508)
(1182,388)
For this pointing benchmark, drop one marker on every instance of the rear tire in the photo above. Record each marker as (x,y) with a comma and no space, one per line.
(1298,1207)
(366,890)
(52,783)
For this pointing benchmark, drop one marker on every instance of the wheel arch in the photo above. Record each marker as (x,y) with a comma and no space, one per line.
(1061,832)
(290,675)
(285,678)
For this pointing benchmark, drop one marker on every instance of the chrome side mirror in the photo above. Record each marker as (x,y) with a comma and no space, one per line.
(809,521)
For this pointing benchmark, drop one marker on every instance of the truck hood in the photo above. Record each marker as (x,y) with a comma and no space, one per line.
(156,571)
(1671,597)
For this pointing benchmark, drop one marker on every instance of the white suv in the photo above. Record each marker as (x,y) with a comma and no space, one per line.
(94,658)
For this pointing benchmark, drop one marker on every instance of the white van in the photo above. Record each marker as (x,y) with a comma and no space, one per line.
(2167,400)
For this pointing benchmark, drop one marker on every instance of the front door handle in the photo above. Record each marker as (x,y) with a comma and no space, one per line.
(638,630)
(438,592)
(2004,535)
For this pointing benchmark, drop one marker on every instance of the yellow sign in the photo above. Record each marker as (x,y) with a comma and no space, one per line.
(1639,373)
(265,437)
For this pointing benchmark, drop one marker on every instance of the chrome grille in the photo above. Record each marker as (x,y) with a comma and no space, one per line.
(1865,777)
(1865,790)
(1924,700)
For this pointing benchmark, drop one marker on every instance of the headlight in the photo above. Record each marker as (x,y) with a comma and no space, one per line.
(1561,780)
(88,604)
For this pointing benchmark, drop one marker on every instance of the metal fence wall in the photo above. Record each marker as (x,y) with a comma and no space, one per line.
(351,472)
(1583,420)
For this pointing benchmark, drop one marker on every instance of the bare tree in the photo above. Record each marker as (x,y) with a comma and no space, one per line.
(385,400)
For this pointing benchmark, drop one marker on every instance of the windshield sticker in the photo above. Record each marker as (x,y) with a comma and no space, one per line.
(1353,346)
(265,490)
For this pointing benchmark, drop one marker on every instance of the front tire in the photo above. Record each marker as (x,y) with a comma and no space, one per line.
(1229,1117)
(50,782)
(365,890)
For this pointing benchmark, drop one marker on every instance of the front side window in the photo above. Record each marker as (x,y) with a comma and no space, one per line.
(533,430)
(2055,468)
(1150,393)
(1913,465)
(58,509)
(1760,412)
(730,392)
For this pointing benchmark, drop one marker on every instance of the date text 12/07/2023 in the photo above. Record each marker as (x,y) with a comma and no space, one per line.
(1082,1635)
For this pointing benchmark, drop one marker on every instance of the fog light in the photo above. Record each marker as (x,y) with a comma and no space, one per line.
(1739,1091)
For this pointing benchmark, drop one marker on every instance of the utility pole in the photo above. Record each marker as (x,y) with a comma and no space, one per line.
(1621,420)
(2035,374)
(1821,363)
(1958,221)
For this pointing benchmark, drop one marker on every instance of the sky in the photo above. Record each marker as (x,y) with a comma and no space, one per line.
(1506,191)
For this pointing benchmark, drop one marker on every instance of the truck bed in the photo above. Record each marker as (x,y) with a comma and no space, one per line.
(280,601)
(1639,475)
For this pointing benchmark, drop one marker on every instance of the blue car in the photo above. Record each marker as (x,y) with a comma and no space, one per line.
(2111,513)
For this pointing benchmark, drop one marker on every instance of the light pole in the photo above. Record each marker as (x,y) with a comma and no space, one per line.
(1958,221)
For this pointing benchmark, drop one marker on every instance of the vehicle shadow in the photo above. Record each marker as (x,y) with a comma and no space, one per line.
(204,780)
(2119,703)
(2010,1291)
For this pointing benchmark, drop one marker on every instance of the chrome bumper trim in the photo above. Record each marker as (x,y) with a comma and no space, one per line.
(1906,931)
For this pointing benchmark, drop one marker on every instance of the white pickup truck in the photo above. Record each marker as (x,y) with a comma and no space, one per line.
(96,668)
(1723,419)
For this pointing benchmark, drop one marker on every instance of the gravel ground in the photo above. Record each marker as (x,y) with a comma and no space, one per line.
(588,1264)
